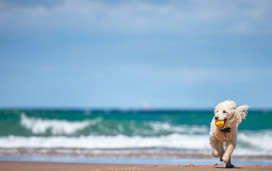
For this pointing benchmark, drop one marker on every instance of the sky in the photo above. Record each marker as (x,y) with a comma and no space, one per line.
(132,54)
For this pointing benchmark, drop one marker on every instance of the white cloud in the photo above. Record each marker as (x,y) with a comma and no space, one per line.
(194,16)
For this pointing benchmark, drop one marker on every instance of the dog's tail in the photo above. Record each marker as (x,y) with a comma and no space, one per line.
(243,111)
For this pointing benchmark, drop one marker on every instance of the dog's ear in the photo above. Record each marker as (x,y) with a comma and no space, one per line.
(235,118)
(237,115)
(242,110)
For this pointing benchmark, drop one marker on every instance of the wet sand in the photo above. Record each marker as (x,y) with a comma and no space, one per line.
(47,166)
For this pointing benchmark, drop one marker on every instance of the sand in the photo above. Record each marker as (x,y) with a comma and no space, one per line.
(46,166)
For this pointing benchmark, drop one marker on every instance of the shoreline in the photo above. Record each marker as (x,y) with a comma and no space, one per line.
(47,166)
(130,161)
(120,153)
(123,156)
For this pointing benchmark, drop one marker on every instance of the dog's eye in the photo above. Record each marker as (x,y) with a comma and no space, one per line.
(224,111)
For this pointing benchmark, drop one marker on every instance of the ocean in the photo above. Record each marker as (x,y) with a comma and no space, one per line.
(126,134)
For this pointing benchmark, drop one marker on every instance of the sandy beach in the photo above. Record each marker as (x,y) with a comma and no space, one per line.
(46,166)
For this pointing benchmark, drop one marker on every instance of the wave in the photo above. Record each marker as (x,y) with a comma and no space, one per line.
(256,140)
(102,133)
(184,129)
(56,127)
(102,126)
(106,142)
(248,143)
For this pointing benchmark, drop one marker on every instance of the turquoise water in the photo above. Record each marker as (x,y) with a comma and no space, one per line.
(183,131)
(112,123)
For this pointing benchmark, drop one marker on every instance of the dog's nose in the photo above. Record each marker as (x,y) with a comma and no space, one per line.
(216,117)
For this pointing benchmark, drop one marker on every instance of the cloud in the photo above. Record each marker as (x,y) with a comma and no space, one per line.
(194,16)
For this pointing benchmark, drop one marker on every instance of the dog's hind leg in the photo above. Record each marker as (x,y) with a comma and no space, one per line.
(215,150)
(221,150)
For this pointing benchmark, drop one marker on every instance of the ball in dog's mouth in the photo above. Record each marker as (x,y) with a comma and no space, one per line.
(220,123)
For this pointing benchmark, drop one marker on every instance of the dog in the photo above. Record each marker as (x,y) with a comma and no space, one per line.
(226,111)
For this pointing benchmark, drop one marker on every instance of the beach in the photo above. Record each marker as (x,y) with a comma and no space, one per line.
(135,85)
(45,166)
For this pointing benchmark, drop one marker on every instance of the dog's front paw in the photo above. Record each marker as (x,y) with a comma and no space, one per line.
(215,153)
(225,158)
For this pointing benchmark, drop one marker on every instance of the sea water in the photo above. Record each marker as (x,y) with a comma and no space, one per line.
(119,134)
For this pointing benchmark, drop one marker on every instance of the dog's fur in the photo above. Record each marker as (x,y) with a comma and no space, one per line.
(232,116)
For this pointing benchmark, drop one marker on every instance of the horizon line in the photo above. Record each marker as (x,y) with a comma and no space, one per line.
(127,108)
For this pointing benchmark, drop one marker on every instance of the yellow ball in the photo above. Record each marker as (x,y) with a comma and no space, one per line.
(219,123)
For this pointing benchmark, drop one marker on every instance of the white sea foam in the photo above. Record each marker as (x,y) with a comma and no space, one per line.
(186,129)
(107,142)
(57,127)
(248,144)
(257,141)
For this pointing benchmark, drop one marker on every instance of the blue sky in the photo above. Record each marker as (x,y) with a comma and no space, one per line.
(130,54)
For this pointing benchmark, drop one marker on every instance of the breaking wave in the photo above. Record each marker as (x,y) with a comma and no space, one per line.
(98,126)
(248,143)
(39,126)
(119,130)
